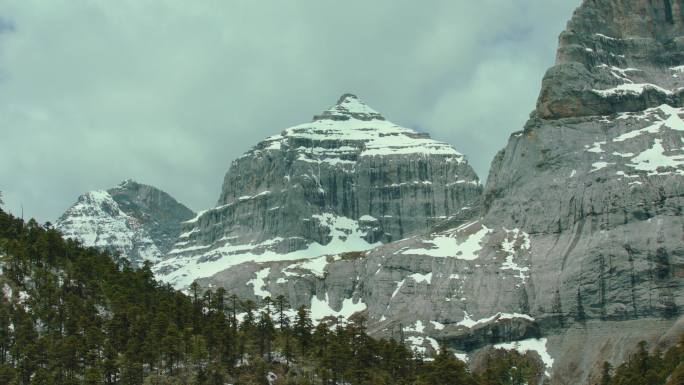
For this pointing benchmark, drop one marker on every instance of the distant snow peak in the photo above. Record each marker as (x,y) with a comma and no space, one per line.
(96,220)
(137,221)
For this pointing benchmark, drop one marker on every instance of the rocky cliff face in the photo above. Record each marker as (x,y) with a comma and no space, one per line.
(579,250)
(137,221)
(597,179)
(597,173)
(348,181)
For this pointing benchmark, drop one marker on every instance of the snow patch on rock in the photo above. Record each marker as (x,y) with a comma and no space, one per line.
(322,308)
(630,89)
(470,323)
(655,158)
(516,239)
(258,283)
(184,267)
(447,245)
(533,344)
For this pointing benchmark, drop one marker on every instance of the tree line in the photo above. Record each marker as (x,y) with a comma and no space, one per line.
(74,315)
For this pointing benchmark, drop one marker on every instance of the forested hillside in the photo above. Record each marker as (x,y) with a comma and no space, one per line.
(75,315)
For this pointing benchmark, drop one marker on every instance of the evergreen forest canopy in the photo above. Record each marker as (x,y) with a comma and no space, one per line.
(76,315)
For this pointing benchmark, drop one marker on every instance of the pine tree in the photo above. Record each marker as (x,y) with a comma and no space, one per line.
(446,370)
(171,347)
(199,355)
(282,304)
(266,333)
(605,373)
(5,335)
(303,327)
(219,300)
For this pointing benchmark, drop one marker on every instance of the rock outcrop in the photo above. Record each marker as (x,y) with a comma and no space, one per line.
(134,220)
(348,181)
(617,56)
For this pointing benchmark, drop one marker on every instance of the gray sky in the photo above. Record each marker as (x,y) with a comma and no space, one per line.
(170,92)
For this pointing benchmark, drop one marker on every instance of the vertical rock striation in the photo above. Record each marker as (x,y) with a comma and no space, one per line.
(347,181)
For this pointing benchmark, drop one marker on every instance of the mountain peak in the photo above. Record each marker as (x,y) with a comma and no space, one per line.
(349,106)
(128,182)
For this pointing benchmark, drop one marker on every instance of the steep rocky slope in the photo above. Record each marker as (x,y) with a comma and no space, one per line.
(597,178)
(347,181)
(138,221)
(578,253)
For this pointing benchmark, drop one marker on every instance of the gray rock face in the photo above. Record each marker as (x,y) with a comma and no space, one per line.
(600,183)
(579,250)
(616,57)
(137,221)
(349,180)
(597,180)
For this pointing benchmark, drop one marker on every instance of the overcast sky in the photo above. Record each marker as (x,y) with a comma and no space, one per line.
(170,92)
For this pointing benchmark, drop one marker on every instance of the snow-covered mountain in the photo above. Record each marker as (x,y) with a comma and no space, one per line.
(577,253)
(574,250)
(137,221)
(347,181)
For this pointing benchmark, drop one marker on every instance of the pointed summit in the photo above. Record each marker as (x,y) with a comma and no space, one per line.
(349,106)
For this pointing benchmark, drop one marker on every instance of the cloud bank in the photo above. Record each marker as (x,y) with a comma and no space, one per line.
(170,92)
